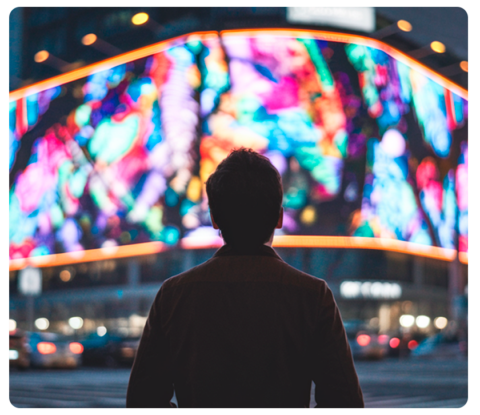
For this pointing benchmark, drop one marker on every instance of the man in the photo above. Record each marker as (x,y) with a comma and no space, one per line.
(244,329)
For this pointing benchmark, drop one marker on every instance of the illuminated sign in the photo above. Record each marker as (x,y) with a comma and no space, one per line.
(355,18)
(369,289)
(30,281)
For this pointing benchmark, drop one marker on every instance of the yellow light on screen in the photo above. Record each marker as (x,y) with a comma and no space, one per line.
(89,39)
(140,18)
(404,25)
(437,46)
(464,66)
(41,56)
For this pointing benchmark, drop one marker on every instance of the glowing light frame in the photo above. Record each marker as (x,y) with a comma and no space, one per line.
(283,241)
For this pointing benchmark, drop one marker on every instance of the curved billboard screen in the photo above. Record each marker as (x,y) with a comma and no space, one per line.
(112,159)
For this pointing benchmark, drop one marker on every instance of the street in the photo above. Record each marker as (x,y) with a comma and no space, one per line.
(406,383)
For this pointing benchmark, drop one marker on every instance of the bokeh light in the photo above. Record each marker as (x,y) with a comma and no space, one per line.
(383,339)
(440,323)
(140,18)
(394,342)
(422,321)
(412,344)
(101,331)
(363,339)
(76,348)
(75,322)
(437,46)
(42,323)
(65,275)
(41,56)
(407,320)
(12,325)
(404,25)
(89,39)
(464,66)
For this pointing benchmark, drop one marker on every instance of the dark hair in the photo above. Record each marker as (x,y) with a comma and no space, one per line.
(245,197)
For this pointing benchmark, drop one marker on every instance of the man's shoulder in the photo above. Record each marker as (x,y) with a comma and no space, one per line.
(272,270)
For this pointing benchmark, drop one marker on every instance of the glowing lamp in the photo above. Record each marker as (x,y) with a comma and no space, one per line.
(89,39)
(41,56)
(437,46)
(404,26)
(76,347)
(363,339)
(46,348)
(464,66)
(140,18)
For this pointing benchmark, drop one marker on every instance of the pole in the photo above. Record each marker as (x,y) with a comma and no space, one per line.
(30,312)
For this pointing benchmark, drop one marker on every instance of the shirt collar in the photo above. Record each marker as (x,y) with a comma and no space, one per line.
(262,250)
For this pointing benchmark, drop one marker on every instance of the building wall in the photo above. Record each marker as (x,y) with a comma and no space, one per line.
(15,30)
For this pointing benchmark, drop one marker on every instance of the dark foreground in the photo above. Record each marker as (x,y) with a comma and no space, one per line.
(409,383)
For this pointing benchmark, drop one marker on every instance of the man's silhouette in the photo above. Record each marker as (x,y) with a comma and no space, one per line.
(244,329)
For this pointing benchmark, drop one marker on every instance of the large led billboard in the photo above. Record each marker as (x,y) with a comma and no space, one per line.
(111,159)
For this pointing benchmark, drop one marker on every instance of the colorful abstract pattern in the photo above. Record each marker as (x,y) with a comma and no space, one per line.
(406,196)
(128,164)
(462,198)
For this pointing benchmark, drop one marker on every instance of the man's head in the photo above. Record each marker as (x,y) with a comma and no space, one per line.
(245,197)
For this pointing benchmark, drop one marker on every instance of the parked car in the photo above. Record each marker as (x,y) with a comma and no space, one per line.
(54,350)
(20,350)
(109,350)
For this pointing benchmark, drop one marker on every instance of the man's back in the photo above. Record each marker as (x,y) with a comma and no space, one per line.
(244,329)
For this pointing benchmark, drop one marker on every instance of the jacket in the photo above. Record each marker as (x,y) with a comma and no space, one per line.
(244,329)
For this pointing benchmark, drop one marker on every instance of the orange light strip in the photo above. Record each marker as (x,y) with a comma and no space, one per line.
(102,65)
(358,39)
(463,257)
(161,46)
(346,242)
(281,241)
(89,255)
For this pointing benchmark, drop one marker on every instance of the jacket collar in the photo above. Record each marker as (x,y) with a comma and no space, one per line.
(262,250)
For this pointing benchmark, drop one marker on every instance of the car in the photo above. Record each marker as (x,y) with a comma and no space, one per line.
(50,350)
(20,350)
(109,350)
(366,343)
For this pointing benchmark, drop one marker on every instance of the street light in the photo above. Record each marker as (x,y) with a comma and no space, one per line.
(400,26)
(60,65)
(91,39)
(143,18)
(434,47)
(140,18)
(454,69)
